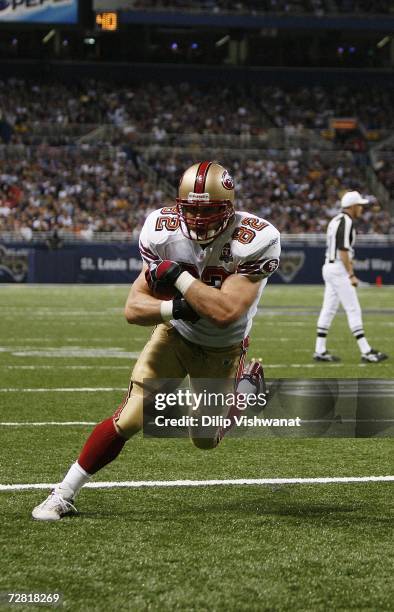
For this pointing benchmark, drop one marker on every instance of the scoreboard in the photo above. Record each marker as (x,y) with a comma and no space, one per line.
(107,21)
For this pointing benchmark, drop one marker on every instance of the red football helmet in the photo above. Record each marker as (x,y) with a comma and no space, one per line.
(205,201)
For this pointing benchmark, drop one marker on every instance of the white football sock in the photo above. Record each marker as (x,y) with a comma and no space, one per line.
(320,345)
(73,481)
(363,345)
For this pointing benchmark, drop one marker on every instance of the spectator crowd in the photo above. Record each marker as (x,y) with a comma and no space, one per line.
(74,189)
(111,183)
(296,194)
(314,7)
(86,190)
(216,108)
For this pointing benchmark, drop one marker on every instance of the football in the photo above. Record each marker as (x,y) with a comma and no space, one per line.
(165,293)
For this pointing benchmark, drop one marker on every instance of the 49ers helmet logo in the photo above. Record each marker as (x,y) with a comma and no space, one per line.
(227,180)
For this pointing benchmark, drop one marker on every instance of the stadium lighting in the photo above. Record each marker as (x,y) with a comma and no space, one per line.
(222,41)
(89,41)
(174,46)
(383,42)
(194,45)
(48,36)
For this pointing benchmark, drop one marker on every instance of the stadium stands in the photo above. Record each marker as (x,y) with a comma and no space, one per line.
(314,7)
(95,158)
(385,171)
(80,189)
(298,193)
(212,108)
(94,189)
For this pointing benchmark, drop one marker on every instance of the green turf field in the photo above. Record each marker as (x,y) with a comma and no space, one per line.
(294,547)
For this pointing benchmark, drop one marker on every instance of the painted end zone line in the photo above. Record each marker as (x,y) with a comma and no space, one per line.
(136,484)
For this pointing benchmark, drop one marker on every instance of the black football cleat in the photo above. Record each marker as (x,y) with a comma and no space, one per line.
(373,356)
(326,356)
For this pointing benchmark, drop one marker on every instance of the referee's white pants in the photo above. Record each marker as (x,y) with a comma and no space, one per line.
(339,290)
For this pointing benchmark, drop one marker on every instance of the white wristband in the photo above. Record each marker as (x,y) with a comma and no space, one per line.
(184,281)
(166,310)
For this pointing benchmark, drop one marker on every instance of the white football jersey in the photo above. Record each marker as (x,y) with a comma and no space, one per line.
(249,246)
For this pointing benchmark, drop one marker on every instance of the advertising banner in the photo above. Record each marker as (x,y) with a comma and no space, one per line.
(113,5)
(303,264)
(121,263)
(39,11)
(93,263)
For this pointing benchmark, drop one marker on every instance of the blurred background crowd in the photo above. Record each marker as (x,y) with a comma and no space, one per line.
(318,7)
(96,157)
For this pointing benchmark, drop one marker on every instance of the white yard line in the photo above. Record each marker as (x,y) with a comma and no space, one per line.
(116,367)
(312,365)
(45,423)
(63,390)
(136,484)
(83,423)
(64,367)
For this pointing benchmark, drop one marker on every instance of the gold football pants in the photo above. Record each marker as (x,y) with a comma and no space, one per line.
(167,355)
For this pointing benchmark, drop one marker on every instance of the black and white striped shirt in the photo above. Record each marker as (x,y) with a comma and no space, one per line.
(340,236)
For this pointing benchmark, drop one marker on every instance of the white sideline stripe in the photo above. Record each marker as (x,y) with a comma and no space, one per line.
(62,389)
(64,367)
(136,484)
(45,423)
(299,365)
(114,367)
(82,423)
(110,367)
(310,365)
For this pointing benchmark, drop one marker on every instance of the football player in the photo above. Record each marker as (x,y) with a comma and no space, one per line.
(214,263)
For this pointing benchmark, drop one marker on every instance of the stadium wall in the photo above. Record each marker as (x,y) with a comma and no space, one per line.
(121,263)
(127,72)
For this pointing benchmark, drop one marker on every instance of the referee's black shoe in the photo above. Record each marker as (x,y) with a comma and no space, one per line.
(374,356)
(326,356)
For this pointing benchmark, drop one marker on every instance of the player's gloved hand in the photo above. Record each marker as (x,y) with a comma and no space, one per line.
(182,310)
(162,274)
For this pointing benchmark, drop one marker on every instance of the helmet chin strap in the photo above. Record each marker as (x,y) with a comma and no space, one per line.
(209,236)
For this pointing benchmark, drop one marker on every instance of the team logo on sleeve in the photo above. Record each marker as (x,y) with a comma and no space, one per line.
(225,255)
(271,265)
(227,180)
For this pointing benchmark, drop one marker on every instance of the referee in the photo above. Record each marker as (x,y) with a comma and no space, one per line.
(341,282)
